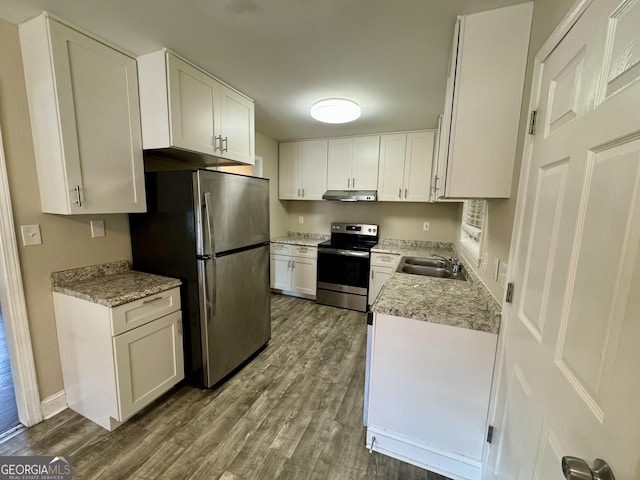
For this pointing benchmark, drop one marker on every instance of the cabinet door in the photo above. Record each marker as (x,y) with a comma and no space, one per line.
(314,169)
(339,164)
(149,361)
(280,272)
(99,114)
(237,130)
(303,276)
(391,168)
(192,105)
(289,171)
(417,166)
(377,279)
(366,153)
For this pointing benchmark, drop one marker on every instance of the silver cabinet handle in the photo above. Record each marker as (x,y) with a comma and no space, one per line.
(373,274)
(225,140)
(406,190)
(575,468)
(152,300)
(218,143)
(348,183)
(298,192)
(78,197)
(293,264)
(303,193)
(353,182)
(399,193)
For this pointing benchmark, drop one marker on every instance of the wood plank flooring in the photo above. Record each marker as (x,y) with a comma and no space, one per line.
(295,412)
(8,410)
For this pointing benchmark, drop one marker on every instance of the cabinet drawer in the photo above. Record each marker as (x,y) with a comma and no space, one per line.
(281,248)
(302,251)
(136,313)
(385,259)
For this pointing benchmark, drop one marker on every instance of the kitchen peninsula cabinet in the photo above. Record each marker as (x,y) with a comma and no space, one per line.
(353,163)
(404,173)
(294,269)
(185,108)
(303,170)
(482,104)
(120,339)
(85,117)
(429,390)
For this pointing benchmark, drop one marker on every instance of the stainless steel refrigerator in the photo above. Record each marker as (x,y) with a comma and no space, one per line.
(211,230)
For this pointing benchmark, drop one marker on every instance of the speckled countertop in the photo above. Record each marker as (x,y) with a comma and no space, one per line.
(464,304)
(300,238)
(110,284)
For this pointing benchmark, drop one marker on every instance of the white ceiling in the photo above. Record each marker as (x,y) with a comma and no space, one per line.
(391,56)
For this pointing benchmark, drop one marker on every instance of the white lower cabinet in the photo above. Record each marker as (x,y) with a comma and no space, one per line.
(294,269)
(382,267)
(116,361)
(428,395)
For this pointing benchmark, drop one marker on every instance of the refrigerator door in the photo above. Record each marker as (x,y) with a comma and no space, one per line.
(238,321)
(237,210)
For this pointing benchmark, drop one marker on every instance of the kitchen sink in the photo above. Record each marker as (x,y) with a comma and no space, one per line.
(426,262)
(429,267)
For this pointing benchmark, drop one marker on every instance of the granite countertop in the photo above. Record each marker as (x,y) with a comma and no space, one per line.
(110,284)
(301,238)
(464,304)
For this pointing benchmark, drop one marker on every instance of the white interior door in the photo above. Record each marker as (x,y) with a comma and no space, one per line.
(569,383)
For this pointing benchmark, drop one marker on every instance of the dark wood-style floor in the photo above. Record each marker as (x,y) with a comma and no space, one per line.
(295,412)
(8,412)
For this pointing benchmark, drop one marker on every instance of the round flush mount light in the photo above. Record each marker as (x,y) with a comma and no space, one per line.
(335,110)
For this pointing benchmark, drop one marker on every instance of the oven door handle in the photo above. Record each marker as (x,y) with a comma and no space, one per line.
(346,253)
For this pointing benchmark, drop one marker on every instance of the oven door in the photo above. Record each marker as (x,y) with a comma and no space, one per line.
(345,271)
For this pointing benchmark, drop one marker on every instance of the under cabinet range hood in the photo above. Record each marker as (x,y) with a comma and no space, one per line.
(351,195)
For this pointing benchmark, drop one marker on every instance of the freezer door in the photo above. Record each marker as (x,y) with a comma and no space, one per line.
(237,210)
(240,310)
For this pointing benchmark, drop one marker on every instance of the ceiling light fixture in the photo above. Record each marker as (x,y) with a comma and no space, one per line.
(335,110)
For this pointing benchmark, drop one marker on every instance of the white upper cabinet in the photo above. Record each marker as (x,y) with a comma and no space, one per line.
(482,104)
(353,163)
(404,173)
(186,108)
(85,117)
(303,170)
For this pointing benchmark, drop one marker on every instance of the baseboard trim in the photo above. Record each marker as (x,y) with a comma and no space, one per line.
(54,404)
(456,467)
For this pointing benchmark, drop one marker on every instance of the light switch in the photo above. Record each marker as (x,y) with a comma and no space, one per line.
(97,228)
(31,235)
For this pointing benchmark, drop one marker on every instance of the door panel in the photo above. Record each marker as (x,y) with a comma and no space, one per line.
(240,322)
(339,164)
(239,209)
(366,154)
(193,114)
(572,333)
(237,126)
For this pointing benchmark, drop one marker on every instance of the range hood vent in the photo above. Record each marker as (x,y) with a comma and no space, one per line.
(351,195)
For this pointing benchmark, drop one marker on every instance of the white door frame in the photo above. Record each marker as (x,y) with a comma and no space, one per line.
(14,310)
(498,395)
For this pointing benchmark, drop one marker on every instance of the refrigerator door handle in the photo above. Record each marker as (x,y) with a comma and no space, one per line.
(210,247)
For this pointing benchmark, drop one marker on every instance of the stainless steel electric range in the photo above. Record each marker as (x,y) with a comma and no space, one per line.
(343,265)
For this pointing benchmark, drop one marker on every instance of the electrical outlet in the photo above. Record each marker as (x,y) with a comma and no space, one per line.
(300,219)
(496,268)
(502,279)
(31,235)
(485,262)
(97,228)
(426,226)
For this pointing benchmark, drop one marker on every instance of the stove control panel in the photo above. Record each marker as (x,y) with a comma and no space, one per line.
(354,228)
